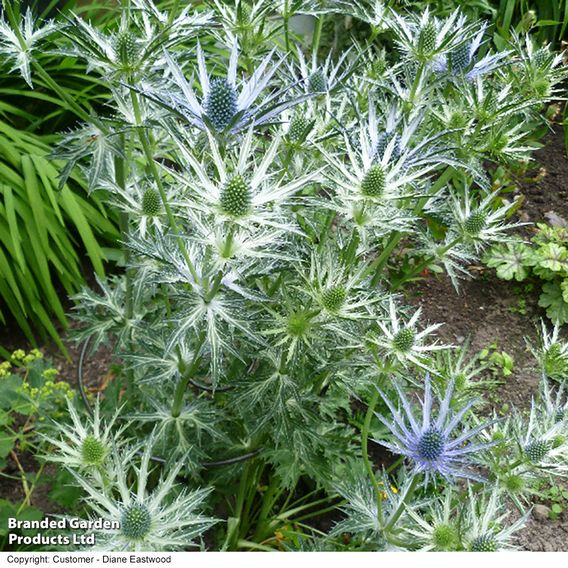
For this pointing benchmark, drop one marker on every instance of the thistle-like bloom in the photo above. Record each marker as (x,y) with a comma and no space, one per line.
(339,290)
(18,45)
(136,46)
(537,69)
(317,79)
(162,519)
(480,224)
(86,443)
(383,163)
(226,104)
(543,442)
(554,404)
(433,445)
(485,530)
(465,370)
(462,61)
(426,37)
(442,525)
(243,193)
(248,20)
(436,526)
(402,340)
(552,353)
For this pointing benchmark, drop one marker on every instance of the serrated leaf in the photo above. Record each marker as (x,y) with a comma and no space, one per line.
(553,257)
(552,299)
(510,261)
(7,441)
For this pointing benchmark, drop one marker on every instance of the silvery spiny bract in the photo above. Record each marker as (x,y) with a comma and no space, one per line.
(167,517)
(86,444)
(18,45)
(270,220)
(440,445)
(442,526)
(226,104)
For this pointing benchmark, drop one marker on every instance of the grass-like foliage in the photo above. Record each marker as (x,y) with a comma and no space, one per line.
(273,199)
(45,225)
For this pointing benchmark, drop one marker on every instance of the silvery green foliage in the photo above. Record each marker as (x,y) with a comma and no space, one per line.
(265,221)
(167,517)
(18,42)
(445,526)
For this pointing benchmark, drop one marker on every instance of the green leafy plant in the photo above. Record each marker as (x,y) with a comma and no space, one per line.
(30,397)
(556,495)
(499,362)
(42,231)
(544,259)
(266,189)
(46,227)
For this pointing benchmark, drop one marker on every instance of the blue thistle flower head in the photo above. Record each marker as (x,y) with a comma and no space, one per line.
(227,104)
(436,445)
(221,103)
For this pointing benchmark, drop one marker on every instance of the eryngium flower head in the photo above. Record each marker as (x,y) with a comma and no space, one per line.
(480,223)
(316,78)
(461,62)
(226,105)
(401,340)
(164,518)
(543,442)
(435,446)
(436,526)
(85,444)
(448,524)
(483,526)
(424,37)
(552,353)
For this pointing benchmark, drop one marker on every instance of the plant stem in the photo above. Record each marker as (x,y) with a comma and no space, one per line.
(154,171)
(396,515)
(186,375)
(365,452)
(317,36)
(378,265)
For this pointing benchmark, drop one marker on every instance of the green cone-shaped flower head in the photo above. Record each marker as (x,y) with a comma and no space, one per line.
(445,537)
(373,184)
(151,202)
(484,543)
(299,128)
(536,450)
(427,39)
(93,451)
(136,521)
(317,83)
(404,339)
(125,48)
(475,223)
(333,298)
(236,196)
(221,103)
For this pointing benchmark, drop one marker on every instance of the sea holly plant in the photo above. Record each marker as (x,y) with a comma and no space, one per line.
(266,214)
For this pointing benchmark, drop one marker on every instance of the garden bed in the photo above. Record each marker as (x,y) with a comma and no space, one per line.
(486,311)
